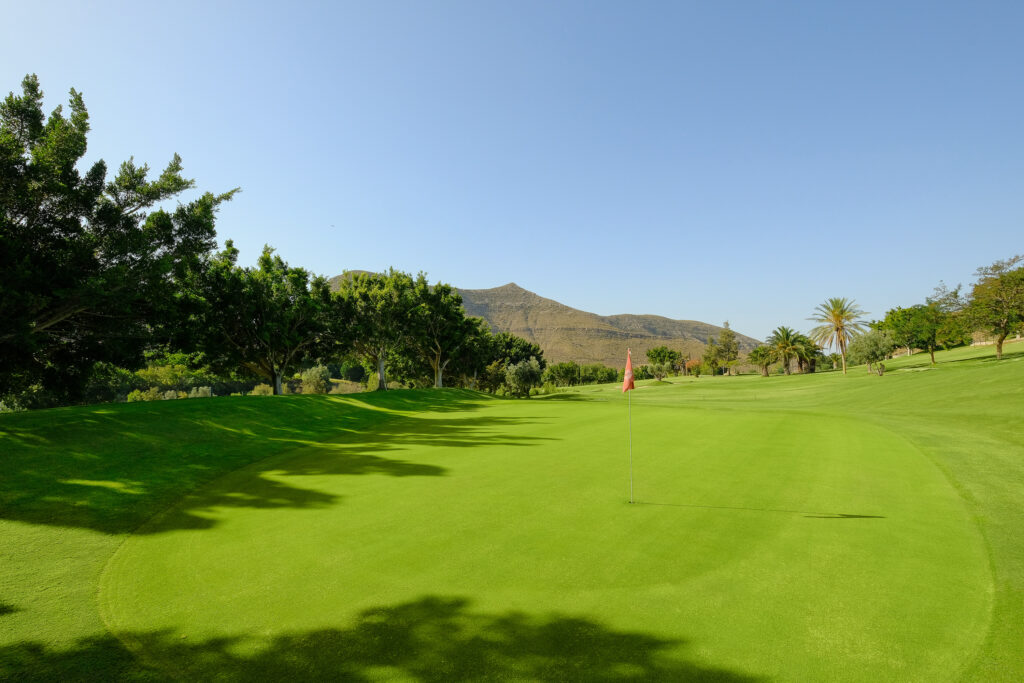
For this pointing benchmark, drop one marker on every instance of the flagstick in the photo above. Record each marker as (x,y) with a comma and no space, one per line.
(629,412)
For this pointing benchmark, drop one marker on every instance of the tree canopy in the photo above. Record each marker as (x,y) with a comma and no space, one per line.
(89,267)
(839,321)
(997,299)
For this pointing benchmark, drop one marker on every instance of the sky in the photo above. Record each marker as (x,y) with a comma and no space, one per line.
(712,161)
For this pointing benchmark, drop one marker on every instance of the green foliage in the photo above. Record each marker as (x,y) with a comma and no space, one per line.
(660,370)
(728,351)
(839,321)
(597,373)
(762,357)
(511,349)
(997,300)
(267,319)
(785,342)
(89,272)
(694,366)
(871,347)
(379,308)
(316,380)
(662,355)
(439,330)
(565,374)
(521,377)
(262,390)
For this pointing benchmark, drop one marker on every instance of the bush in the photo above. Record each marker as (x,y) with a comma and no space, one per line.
(316,380)
(170,395)
(151,394)
(523,376)
(200,392)
(262,390)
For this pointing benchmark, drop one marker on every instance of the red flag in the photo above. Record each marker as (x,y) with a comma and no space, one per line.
(627,379)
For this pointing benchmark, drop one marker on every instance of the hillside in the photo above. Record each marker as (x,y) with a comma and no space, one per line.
(570,334)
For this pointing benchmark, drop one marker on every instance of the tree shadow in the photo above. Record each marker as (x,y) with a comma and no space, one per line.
(570,397)
(803,513)
(432,639)
(111,468)
(6,608)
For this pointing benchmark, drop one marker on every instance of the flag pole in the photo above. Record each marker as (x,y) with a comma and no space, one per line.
(629,412)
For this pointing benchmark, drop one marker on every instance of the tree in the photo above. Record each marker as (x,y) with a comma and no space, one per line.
(522,376)
(728,347)
(511,349)
(784,342)
(898,321)
(693,366)
(955,329)
(997,300)
(267,319)
(762,357)
(381,309)
(662,355)
(439,327)
(88,272)
(806,352)
(660,370)
(839,322)
(871,347)
(712,356)
(565,374)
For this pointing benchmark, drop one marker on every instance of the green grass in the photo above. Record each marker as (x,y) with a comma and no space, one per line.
(788,528)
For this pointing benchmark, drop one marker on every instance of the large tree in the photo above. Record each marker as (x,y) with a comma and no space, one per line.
(439,328)
(511,349)
(997,300)
(728,347)
(784,342)
(381,307)
(839,321)
(89,271)
(267,319)
(762,357)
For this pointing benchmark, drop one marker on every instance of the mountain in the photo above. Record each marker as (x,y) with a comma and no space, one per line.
(570,334)
(566,333)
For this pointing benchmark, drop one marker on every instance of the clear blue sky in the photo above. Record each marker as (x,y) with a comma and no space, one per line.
(714,161)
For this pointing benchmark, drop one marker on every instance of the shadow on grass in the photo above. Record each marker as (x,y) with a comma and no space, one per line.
(815,515)
(430,639)
(7,609)
(569,397)
(110,468)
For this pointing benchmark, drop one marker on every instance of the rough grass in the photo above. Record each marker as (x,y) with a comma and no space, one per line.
(788,528)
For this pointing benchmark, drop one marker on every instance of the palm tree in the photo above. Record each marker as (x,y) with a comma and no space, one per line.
(807,352)
(784,342)
(761,356)
(839,318)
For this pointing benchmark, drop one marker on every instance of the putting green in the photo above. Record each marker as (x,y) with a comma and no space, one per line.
(795,545)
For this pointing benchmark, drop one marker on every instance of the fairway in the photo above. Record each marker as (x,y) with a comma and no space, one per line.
(791,528)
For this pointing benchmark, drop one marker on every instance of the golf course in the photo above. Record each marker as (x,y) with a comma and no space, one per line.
(788,528)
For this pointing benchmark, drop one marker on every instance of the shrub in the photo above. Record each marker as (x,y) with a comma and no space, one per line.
(262,390)
(523,376)
(316,380)
(151,394)
(200,392)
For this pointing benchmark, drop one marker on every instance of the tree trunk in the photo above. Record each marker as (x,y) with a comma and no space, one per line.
(931,350)
(277,383)
(785,365)
(844,361)
(438,371)
(999,345)
(382,381)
